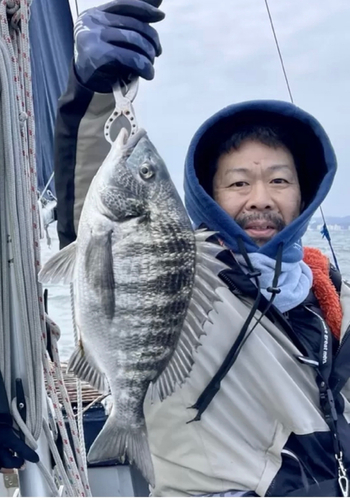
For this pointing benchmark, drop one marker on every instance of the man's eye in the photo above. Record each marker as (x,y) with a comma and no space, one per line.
(279,181)
(238,184)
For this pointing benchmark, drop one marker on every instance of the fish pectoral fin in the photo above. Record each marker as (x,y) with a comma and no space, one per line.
(204,296)
(99,270)
(84,367)
(60,268)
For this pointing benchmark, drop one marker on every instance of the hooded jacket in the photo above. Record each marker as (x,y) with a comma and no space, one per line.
(310,146)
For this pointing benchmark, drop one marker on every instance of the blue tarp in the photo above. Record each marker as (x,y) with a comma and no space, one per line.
(51,38)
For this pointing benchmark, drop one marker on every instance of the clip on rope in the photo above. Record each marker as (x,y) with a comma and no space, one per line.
(325,234)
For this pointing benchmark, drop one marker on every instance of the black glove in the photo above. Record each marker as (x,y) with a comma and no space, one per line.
(10,444)
(114,41)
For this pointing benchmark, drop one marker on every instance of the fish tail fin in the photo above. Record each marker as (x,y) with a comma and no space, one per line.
(116,443)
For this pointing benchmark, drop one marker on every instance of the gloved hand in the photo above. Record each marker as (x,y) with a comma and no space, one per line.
(115,41)
(10,444)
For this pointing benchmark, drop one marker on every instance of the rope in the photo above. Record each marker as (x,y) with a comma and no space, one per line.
(21,208)
(79,469)
(31,442)
(62,474)
(22,315)
(80,412)
(325,232)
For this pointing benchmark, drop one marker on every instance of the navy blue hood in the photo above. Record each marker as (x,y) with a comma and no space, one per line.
(316,169)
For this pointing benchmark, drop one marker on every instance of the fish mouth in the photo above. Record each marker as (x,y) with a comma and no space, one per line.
(129,141)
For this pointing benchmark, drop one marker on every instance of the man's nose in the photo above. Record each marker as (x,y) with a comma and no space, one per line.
(260,197)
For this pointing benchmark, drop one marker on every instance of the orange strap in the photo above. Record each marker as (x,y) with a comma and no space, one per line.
(324,290)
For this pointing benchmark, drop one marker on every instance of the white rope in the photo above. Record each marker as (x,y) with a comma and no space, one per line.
(81,474)
(23,426)
(17,272)
(80,413)
(21,215)
(22,316)
(63,476)
(32,443)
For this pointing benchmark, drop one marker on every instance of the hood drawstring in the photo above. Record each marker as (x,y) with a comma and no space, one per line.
(274,290)
(253,273)
(213,387)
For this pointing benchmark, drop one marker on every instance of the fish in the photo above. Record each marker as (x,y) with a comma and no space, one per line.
(144,284)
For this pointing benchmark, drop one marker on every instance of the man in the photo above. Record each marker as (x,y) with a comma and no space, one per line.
(265,409)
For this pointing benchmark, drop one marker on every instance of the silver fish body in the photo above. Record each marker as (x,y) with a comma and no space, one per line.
(134,278)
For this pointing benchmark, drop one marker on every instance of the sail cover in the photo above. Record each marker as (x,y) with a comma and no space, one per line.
(51,38)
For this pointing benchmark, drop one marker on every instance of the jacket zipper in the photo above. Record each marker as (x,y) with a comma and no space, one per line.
(227,280)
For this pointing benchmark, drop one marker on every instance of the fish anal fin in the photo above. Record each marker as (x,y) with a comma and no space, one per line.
(84,367)
(60,268)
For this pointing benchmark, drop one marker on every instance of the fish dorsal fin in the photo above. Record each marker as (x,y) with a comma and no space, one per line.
(206,282)
(84,367)
(60,268)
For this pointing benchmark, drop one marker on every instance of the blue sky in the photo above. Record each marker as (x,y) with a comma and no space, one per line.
(219,52)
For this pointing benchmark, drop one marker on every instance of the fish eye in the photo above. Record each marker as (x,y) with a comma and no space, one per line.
(146,171)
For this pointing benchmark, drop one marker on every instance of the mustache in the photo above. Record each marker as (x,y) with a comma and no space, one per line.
(276,220)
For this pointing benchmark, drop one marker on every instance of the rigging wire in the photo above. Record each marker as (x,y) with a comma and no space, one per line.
(325,232)
(279,51)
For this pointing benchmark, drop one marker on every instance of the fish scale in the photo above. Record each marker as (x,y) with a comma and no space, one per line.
(134,266)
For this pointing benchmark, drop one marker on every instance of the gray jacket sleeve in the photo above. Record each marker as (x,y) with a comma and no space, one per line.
(80,148)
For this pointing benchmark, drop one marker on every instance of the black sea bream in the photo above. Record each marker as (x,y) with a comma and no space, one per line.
(144,283)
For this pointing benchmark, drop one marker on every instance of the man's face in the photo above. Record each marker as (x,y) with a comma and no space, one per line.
(258,187)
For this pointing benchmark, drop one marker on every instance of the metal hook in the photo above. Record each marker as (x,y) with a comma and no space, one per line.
(123,96)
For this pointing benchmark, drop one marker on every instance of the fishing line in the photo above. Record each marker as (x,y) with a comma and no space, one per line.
(279,51)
